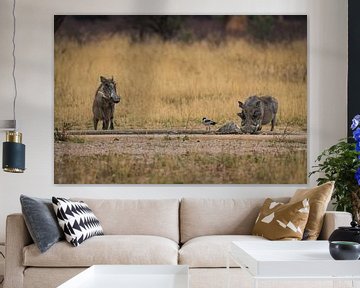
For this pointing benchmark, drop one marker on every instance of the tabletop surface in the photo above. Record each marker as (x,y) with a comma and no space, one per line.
(286,250)
(291,259)
(131,276)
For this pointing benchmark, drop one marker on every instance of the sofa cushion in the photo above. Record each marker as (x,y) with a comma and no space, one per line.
(107,249)
(77,220)
(41,221)
(211,251)
(200,217)
(279,221)
(158,217)
(319,198)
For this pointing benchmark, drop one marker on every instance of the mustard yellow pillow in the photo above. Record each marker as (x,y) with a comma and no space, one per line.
(279,221)
(319,198)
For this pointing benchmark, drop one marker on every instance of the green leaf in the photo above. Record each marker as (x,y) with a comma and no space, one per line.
(339,163)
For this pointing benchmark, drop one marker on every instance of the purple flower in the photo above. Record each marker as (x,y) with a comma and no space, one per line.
(355,122)
(356,134)
(357,176)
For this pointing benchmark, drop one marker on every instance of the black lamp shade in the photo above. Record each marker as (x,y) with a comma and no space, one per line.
(13,157)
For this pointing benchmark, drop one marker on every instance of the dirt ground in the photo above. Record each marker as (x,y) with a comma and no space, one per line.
(138,145)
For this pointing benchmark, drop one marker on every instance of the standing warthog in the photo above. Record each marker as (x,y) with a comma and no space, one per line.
(257,111)
(104,103)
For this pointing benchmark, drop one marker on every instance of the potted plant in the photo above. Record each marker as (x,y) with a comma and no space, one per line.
(341,163)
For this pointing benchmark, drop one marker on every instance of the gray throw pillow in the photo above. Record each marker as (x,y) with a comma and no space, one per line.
(41,221)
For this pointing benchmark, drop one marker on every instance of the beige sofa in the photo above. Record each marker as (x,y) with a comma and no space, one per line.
(194,232)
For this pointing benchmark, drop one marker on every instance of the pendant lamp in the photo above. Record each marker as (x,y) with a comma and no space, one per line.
(13,160)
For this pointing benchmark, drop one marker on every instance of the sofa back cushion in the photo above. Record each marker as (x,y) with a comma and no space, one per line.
(200,217)
(158,217)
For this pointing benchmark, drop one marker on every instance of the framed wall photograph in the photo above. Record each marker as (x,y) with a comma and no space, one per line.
(180,99)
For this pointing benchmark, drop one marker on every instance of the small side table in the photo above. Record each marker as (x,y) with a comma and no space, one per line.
(284,262)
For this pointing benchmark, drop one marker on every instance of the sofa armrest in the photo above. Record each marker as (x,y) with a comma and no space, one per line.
(333,220)
(17,237)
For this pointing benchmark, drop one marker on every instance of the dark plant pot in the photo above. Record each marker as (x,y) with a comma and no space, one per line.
(343,250)
(351,233)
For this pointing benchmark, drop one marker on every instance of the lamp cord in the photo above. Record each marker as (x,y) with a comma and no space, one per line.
(14,59)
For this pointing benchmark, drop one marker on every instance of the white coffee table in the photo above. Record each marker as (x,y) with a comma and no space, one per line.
(131,276)
(296,260)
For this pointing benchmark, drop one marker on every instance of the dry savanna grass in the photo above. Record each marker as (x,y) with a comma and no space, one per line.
(173,85)
(192,168)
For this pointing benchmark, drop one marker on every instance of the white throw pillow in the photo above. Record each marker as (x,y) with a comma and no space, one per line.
(77,220)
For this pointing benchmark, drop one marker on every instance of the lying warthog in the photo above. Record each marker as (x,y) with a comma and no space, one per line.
(104,103)
(257,111)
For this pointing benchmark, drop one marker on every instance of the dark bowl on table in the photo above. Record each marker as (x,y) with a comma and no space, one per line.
(344,250)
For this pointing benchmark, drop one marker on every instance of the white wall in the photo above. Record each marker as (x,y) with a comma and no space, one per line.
(327,89)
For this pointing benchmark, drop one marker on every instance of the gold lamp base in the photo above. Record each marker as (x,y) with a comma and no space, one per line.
(13,170)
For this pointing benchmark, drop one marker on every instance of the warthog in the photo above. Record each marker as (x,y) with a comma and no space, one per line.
(104,103)
(257,111)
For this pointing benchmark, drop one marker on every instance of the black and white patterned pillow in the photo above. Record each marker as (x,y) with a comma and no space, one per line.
(77,220)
